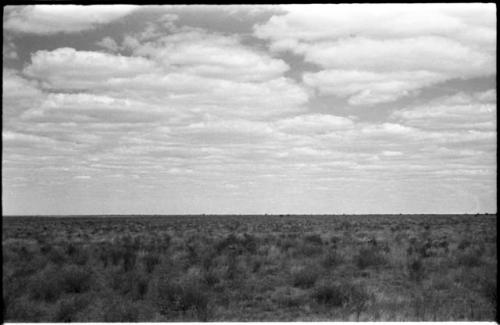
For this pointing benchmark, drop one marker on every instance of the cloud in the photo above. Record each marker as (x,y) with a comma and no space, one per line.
(109,44)
(386,52)
(195,84)
(90,108)
(9,50)
(18,94)
(366,87)
(67,68)
(53,19)
(212,55)
(476,111)
(314,124)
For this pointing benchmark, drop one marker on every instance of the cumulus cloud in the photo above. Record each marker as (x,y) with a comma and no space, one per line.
(179,109)
(183,71)
(366,87)
(415,45)
(314,124)
(476,111)
(109,44)
(212,55)
(52,19)
(67,68)
(18,94)
(90,108)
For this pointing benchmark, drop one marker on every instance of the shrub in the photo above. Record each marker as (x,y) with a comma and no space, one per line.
(77,254)
(415,269)
(289,297)
(308,249)
(69,307)
(150,261)
(182,296)
(313,239)
(245,242)
(469,259)
(464,243)
(56,255)
(329,294)
(305,277)
(489,291)
(132,283)
(129,258)
(332,259)
(337,294)
(46,285)
(368,257)
(121,310)
(23,310)
(76,279)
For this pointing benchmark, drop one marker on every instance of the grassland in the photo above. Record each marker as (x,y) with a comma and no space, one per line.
(249,268)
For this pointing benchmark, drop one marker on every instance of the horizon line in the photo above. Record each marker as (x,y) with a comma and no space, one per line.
(242,214)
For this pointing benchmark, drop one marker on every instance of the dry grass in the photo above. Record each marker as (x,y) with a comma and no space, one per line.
(250,268)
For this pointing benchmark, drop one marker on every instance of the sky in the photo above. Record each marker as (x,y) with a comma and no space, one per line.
(316,109)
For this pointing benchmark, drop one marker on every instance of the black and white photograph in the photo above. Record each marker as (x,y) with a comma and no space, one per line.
(249,163)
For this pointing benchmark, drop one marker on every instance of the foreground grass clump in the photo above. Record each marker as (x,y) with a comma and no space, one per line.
(250,268)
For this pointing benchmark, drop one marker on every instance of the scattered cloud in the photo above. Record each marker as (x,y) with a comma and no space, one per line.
(468,112)
(169,106)
(383,53)
(53,19)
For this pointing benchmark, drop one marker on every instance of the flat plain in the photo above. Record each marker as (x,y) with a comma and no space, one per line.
(250,268)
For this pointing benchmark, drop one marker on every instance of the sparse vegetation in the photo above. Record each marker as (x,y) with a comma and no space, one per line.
(249,268)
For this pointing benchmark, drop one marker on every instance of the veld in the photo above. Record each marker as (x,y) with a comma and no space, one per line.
(249,268)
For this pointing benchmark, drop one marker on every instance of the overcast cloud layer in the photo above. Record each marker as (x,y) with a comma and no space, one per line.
(249,109)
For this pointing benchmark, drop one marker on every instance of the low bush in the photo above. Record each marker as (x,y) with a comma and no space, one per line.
(469,259)
(335,294)
(69,307)
(305,277)
(313,239)
(332,259)
(76,279)
(121,310)
(415,269)
(23,310)
(369,257)
(329,294)
(150,261)
(133,284)
(46,285)
(177,296)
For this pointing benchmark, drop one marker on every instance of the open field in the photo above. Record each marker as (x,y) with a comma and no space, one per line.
(250,268)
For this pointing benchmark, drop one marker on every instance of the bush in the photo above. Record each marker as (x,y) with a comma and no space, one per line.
(23,310)
(76,279)
(489,291)
(182,296)
(308,249)
(77,254)
(150,261)
(305,277)
(69,307)
(46,285)
(469,259)
(121,310)
(415,269)
(56,255)
(289,297)
(133,284)
(349,295)
(329,294)
(368,257)
(332,259)
(313,239)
